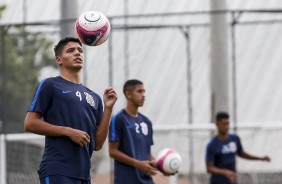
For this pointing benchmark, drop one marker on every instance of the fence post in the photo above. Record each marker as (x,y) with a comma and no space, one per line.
(3,167)
(173,139)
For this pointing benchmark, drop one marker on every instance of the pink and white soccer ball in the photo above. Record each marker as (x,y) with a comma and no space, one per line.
(92,28)
(168,161)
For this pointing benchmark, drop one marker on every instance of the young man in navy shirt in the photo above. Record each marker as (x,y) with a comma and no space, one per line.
(73,119)
(221,153)
(131,138)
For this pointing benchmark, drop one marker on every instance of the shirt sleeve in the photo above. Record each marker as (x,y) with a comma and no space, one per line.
(42,98)
(152,132)
(210,153)
(115,130)
(239,145)
(100,111)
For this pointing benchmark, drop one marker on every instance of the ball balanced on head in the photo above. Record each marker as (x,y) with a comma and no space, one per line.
(92,28)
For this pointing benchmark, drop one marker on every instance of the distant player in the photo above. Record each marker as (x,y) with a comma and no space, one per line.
(221,153)
(131,138)
(73,119)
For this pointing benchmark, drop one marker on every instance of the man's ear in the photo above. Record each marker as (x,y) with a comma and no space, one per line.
(128,94)
(58,60)
(217,123)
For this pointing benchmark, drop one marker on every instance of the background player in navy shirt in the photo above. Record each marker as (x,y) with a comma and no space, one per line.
(72,117)
(131,138)
(221,153)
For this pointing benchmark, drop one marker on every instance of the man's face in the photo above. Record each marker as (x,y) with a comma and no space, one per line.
(72,56)
(223,126)
(137,95)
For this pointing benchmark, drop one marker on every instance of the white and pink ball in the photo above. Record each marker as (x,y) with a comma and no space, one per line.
(92,28)
(168,161)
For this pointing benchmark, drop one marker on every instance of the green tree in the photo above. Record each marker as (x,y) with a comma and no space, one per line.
(2,8)
(23,55)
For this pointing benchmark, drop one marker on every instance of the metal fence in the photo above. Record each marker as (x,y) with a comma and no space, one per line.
(189,43)
(20,162)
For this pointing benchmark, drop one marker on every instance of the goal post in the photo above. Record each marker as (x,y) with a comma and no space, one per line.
(6,140)
(3,170)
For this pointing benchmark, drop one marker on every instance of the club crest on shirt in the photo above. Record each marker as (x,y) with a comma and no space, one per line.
(89,99)
(144,128)
(141,128)
(229,148)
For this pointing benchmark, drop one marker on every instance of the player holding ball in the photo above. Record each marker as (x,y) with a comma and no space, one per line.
(131,138)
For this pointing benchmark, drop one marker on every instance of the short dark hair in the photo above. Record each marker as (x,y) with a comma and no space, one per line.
(221,115)
(129,84)
(63,42)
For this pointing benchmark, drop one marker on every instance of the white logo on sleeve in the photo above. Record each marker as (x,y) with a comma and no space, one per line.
(144,128)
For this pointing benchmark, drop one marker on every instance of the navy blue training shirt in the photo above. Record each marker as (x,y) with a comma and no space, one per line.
(63,103)
(223,155)
(135,137)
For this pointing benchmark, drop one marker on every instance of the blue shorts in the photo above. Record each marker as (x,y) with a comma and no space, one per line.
(59,179)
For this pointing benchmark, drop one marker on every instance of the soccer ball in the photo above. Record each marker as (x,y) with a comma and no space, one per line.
(92,28)
(168,161)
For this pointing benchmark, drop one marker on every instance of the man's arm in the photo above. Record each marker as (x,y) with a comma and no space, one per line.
(109,97)
(153,161)
(252,157)
(231,175)
(35,124)
(145,166)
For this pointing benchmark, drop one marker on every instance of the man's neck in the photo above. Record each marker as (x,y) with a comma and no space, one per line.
(133,111)
(71,76)
(222,136)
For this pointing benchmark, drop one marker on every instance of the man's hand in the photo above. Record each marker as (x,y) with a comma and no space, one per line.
(232,176)
(154,164)
(266,158)
(79,137)
(147,167)
(109,97)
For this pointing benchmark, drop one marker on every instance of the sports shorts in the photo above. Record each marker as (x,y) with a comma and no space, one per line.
(59,179)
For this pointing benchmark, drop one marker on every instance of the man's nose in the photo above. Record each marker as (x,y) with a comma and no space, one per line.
(77,52)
